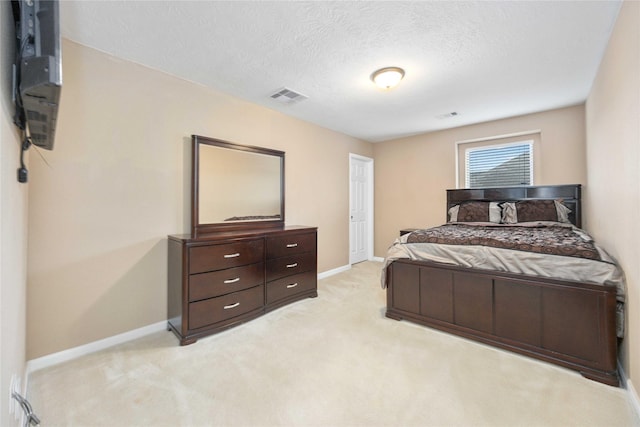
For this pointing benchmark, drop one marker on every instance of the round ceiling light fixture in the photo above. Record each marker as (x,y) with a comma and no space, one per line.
(387,77)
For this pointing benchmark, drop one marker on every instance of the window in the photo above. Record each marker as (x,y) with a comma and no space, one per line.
(499,165)
(499,161)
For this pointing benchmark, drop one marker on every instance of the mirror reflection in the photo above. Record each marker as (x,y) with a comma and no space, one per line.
(237,186)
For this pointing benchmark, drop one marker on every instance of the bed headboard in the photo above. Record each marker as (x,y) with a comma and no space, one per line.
(570,195)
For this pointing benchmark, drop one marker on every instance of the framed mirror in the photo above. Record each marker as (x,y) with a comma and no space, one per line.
(235,187)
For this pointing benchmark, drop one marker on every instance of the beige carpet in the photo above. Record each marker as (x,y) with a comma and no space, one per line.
(330,361)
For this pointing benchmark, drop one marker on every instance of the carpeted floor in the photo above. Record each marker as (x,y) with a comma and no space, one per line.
(330,361)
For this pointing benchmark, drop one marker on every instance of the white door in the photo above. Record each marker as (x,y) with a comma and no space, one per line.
(360,205)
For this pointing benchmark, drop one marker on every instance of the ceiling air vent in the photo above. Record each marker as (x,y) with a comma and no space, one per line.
(288,96)
(447,115)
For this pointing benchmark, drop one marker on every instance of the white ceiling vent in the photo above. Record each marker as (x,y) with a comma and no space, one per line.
(447,115)
(288,96)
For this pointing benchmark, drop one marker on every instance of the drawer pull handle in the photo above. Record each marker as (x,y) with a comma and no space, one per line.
(295,264)
(292,245)
(237,254)
(227,307)
(293,285)
(232,280)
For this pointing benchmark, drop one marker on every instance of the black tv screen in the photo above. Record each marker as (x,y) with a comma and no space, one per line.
(38,69)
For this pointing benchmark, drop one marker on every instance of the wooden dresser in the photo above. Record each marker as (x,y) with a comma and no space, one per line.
(223,279)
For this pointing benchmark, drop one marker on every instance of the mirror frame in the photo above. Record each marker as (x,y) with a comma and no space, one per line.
(198,229)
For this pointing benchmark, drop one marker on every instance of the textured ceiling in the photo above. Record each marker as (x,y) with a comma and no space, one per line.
(483,60)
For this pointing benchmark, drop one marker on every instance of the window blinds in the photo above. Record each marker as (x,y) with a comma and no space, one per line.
(499,166)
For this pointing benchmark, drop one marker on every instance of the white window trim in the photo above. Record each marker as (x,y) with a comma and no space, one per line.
(487,138)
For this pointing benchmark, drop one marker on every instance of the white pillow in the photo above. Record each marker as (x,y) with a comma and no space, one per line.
(563,212)
(495,213)
(453,213)
(509,213)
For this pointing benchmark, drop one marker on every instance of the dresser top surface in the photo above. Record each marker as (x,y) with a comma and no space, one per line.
(225,235)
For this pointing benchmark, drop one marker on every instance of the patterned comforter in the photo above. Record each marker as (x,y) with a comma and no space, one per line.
(540,238)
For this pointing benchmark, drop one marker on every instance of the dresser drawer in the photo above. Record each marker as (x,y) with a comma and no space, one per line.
(216,283)
(291,285)
(218,257)
(287,266)
(214,310)
(290,244)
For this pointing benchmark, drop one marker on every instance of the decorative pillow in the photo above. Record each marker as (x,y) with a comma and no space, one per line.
(534,210)
(453,213)
(495,213)
(563,211)
(475,212)
(509,213)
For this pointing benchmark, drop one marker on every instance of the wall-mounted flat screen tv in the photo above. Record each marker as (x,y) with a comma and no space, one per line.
(37,69)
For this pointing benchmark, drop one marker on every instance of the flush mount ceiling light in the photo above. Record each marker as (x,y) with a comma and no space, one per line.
(387,77)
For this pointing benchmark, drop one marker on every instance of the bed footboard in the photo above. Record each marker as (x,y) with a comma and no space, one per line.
(566,323)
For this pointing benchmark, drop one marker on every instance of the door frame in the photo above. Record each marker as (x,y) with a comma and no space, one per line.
(370,204)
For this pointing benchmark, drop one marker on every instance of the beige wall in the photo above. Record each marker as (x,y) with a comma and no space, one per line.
(13,231)
(412,174)
(612,197)
(118,183)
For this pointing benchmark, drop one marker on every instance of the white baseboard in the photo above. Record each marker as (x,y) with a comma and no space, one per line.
(633,397)
(73,353)
(92,347)
(328,273)
(347,267)
(632,393)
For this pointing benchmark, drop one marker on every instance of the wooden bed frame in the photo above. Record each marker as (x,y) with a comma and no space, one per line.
(566,323)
